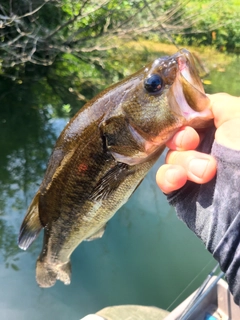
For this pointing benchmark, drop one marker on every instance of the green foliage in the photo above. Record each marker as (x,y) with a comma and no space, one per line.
(217,24)
(224,79)
(65,51)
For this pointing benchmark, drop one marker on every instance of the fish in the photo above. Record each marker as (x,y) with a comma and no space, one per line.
(103,154)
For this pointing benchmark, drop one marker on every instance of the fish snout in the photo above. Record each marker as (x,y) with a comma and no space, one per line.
(186,96)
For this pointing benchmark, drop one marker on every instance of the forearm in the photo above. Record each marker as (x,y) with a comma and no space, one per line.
(212,210)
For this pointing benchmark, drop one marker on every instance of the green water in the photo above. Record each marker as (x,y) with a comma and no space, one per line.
(147,256)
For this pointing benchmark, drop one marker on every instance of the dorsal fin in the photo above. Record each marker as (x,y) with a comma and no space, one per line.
(31,225)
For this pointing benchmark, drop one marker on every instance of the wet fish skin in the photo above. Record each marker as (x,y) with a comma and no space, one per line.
(103,154)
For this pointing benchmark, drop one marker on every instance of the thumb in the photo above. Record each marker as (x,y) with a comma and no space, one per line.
(224,107)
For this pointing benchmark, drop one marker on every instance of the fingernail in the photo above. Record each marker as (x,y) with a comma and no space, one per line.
(179,138)
(170,176)
(198,167)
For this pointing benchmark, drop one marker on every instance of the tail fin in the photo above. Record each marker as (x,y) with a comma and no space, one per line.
(47,274)
(31,225)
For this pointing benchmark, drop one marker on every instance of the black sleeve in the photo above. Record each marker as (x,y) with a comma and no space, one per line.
(212,210)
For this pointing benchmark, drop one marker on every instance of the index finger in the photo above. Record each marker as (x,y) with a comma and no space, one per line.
(185,139)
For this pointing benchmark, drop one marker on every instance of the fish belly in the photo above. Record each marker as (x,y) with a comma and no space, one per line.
(65,235)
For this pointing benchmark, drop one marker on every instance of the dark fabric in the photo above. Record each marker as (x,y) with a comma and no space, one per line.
(212,210)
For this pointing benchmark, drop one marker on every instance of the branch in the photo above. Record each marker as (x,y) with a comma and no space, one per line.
(74,19)
(34,11)
(12,18)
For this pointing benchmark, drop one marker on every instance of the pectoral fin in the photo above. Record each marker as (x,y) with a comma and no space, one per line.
(31,225)
(110,181)
(97,234)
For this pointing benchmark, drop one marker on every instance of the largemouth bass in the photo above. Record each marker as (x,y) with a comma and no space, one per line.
(103,154)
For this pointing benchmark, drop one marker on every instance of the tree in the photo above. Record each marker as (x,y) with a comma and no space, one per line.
(43,41)
(37,31)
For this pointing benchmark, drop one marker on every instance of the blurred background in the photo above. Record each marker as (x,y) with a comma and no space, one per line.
(55,55)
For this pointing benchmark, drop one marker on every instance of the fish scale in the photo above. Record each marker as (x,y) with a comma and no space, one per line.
(104,153)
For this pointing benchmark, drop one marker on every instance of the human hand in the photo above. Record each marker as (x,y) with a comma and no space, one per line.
(184,163)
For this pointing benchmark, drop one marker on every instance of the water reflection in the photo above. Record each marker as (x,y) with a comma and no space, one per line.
(27,137)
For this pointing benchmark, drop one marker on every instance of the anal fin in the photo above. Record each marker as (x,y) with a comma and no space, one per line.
(97,235)
(31,225)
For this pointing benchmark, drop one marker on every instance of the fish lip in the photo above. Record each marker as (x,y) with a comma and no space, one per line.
(187,69)
(190,101)
(182,63)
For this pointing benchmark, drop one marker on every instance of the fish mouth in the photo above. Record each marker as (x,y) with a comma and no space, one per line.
(187,95)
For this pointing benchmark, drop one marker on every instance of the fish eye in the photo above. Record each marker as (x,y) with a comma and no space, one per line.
(153,83)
